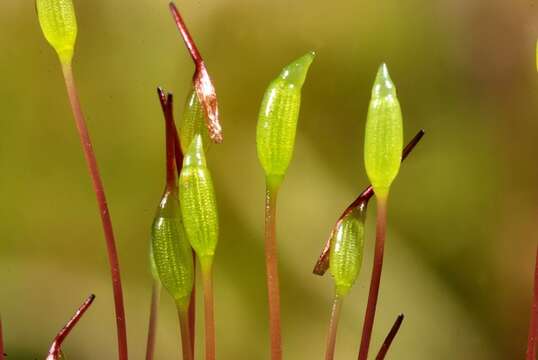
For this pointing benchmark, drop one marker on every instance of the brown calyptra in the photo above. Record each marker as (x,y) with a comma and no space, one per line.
(201,81)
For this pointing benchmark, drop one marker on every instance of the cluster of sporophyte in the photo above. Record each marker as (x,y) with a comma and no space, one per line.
(186,228)
(383,153)
(186,220)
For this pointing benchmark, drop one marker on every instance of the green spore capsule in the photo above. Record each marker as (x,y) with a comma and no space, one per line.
(171,251)
(384,134)
(59,24)
(277,120)
(347,247)
(198,203)
(193,123)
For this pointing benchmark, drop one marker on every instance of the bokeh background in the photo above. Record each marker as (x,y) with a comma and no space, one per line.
(463,212)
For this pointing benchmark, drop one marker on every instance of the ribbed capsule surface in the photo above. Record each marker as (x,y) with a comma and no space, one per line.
(198,202)
(347,247)
(277,120)
(171,250)
(59,25)
(384,134)
(193,122)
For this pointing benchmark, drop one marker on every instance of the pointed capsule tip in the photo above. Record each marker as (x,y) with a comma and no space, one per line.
(295,72)
(384,69)
(383,84)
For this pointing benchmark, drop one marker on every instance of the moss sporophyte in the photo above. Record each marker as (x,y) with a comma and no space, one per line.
(171,251)
(275,140)
(59,25)
(362,200)
(197,200)
(342,256)
(199,212)
(382,157)
(186,219)
(346,250)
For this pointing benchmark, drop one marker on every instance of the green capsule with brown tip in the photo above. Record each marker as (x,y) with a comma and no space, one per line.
(59,25)
(347,248)
(384,134)
(198,202)
(277,120)
(171,251)
(193,122)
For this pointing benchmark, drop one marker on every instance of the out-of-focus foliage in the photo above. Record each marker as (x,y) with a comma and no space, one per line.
(462,214)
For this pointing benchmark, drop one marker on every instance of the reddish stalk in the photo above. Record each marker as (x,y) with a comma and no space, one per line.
(153,317)
(209,309)
(390,337)
(271,264)
(174,155)
(205,91)
(381,227)
(333,328)
(103,208)
(1,341)
(185,333)
(533,326)
(361,201)
(56,347)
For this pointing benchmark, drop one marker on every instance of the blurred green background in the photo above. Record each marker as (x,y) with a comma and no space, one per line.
(462,216)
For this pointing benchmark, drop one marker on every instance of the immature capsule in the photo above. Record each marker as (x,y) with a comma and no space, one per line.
(347,247)
(277,120)
(59,24)
(193,122)
(171,250)
(384,134)
(198,203)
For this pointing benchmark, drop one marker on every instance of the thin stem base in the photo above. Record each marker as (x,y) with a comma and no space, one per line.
(381,227)
(333,328)
(153,317)
(103,208)
(209,313)
(533,326)
(271,264)
(185,333)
